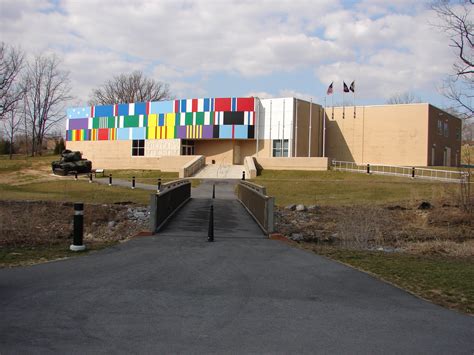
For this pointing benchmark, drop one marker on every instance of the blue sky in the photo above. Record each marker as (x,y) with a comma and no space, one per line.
(241,47)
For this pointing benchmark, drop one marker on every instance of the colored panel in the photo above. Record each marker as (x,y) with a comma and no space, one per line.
(207,105)
(195,105)
(225,131)
(251,132)
(103,134)
(170,132)
(111,122)
(189,118)
(183,106)
(245,104)
(138,132)
(236,118)
(181,132)
(79,123)
(122,110)
(131,121)
(222,104)
(170,119)
(207,131)
(140,108)
(103,111)
(240,132)
(177,104)
(215,131)
(161,119)
(152,120)
(123,133)
(200,105)
(78,112)
(200,118)
(161,106)
(151,132)
(234,104)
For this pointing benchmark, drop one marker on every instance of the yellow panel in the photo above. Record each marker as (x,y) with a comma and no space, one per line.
(170,119)
(151,132)
(169,132)
(152,120)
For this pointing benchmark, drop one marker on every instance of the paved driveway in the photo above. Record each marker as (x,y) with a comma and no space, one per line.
(175,292)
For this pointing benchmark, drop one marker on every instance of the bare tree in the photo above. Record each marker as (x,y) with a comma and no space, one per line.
(134,87)
(11,64)
(12,124)
(456,21)
(46,93)
(403,98)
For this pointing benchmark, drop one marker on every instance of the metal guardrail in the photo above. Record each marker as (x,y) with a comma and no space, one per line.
(404,171)
(258,204)
(169,199)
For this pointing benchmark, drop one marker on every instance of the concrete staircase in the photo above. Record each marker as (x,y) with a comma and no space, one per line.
(215,171)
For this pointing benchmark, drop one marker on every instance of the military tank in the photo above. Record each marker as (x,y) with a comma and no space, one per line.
(71,162)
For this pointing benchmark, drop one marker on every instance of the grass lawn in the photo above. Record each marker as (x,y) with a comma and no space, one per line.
(20,162)
(446,281)
(345,188)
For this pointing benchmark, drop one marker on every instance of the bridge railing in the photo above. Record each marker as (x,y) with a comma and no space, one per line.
(167,201)
(258,204)
(192,167)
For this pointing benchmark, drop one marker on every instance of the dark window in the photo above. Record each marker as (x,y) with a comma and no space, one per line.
(138,147)
(280,148)
(234,117)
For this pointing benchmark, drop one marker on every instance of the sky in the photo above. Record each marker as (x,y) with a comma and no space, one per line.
(223,48)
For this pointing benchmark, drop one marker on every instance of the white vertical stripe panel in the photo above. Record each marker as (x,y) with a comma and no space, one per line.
(194,117)
(131,109)
(207,118)
(221,118)
(200,105)
(140,121)
(189,105)
(246,118)
(121,122)
(182,119)
(251,118)
(67,124)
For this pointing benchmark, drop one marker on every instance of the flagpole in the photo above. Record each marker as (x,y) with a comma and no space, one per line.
(343,106)
(324,127)
(354,101)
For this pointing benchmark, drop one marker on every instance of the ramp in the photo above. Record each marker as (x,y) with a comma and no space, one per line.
(214,171)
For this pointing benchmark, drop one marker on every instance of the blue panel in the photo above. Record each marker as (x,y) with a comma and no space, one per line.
(104,111)
(123,134)
(183,106)
(212,105)
(140,108)
(241,132)
(161,106)
(123,109)
(138,132)
(234,104)
(206,105)
(161,120)
(225,131)
(78,112)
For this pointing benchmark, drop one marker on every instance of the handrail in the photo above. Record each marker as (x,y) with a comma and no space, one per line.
(260,206)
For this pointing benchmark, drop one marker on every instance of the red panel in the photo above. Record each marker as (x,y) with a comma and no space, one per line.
(176,105)
(195,105)
(103,134)
(223,104)
(148,108)
(77,134)
(245,104)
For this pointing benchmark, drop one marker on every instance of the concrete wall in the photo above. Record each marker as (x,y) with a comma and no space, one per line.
(308,123)
(386,134)
(317,163)
(118,155)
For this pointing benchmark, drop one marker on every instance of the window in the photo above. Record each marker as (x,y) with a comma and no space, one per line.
(440,127)
(187,147)
(278,149)
(446,129)
(138,147)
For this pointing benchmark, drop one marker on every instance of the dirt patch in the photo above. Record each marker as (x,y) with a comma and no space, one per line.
(443,230)
(46,223)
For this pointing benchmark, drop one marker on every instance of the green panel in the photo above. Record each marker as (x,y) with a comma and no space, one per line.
(177,120)
(145,121)
(199,118)
(130,121)
(189,118)
(111,122)
(95,122)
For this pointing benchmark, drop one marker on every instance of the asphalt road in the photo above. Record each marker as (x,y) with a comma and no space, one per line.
(177,293)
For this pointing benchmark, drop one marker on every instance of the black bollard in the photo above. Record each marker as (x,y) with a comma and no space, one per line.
(243,175)
(413,172)
(90,178)
(368,168)
(77,244)
(133,182)
(159,185)
(213,190)
(75,175)
(110,179)
(210,233)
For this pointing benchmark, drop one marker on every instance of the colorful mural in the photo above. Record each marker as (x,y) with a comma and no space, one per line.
(207,118)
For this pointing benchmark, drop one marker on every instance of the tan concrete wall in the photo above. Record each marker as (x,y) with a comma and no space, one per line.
(297,163)
(301,129)
(386,134)
(222,151)
(118,155)
(439,142)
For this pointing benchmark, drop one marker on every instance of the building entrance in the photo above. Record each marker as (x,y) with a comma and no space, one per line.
(187,147)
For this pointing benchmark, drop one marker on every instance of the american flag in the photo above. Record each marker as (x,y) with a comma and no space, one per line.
(330,89)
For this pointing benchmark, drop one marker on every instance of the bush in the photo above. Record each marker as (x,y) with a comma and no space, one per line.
(59,147)
(5,147)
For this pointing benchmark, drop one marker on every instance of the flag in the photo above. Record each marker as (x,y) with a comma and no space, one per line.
(352,88)
(346,89)
(330,89)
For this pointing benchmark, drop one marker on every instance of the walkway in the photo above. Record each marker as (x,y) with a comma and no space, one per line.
(216,171)
(175,292)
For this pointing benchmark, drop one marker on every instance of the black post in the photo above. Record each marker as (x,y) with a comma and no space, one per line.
(133,182)
(77,244)
(110,179)
(75,175)
(210,233)
(243,175)
(413,172)
(90,178)
(159,185)
(213,190)
(368,168)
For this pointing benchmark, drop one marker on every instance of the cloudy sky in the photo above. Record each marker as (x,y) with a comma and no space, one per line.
(241,47)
